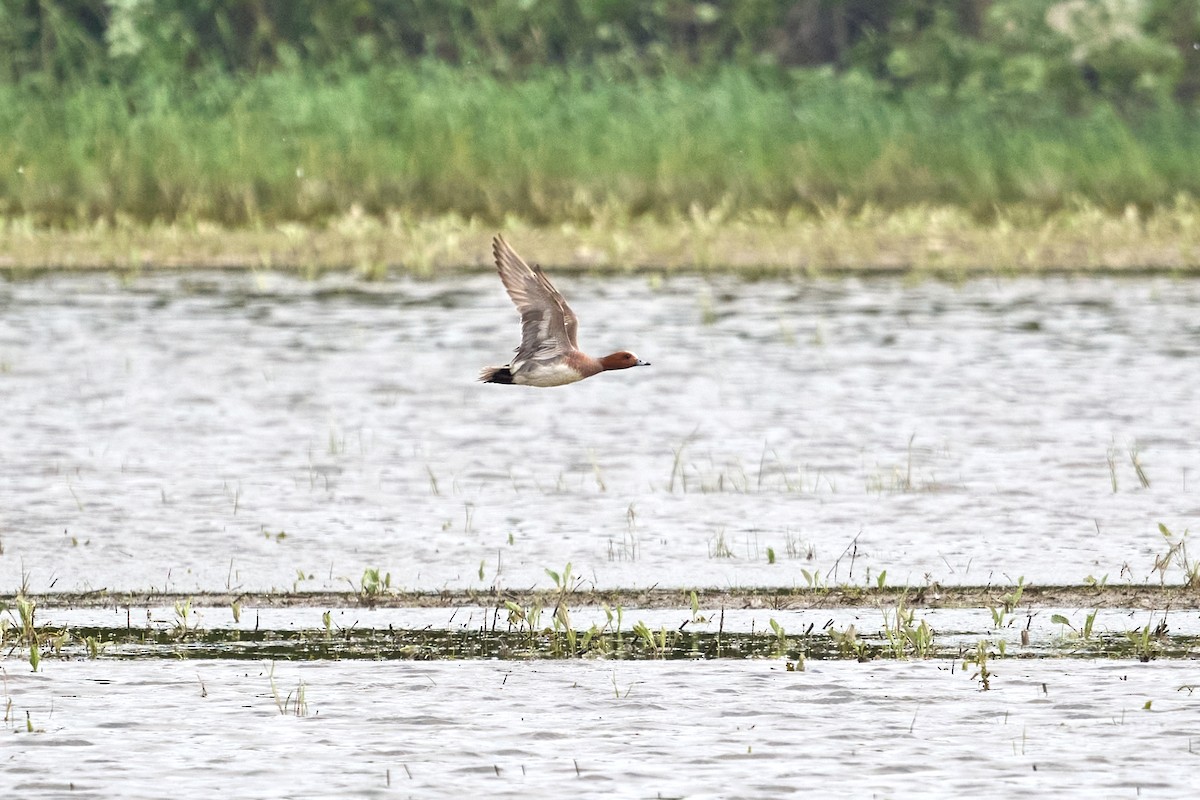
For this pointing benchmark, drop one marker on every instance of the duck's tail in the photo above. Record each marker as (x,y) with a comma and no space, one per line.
(496,375)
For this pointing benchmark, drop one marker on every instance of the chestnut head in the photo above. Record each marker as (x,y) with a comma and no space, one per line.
(622,359)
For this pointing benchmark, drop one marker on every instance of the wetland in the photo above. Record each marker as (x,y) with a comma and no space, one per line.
(901,527)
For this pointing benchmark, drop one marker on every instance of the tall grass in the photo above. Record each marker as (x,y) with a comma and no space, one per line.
(560,146)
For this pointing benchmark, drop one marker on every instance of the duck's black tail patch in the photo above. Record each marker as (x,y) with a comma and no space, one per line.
(496,375)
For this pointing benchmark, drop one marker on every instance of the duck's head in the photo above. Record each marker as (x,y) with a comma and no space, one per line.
(622,359)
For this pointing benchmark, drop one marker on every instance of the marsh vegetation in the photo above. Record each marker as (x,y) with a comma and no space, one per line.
(262,529)
(355,135)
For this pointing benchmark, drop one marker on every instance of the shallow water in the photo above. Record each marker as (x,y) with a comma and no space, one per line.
(646,729)
(423,634)
(258,431)
(974,621)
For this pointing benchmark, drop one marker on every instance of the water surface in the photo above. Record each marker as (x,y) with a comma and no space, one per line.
(258,431)
(647,729)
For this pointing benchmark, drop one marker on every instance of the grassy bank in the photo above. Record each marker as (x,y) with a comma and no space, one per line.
(919,240)
(564,147)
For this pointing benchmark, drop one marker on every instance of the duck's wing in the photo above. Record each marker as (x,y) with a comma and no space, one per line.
(548,325)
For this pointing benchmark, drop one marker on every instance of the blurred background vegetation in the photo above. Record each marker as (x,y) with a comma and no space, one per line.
(263,111)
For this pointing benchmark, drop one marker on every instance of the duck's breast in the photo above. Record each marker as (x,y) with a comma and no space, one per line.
(556,373)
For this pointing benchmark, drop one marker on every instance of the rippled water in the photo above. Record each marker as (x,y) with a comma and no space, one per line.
(547,729)
(258,431)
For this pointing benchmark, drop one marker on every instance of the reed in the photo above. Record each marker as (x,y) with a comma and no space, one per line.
(563,146)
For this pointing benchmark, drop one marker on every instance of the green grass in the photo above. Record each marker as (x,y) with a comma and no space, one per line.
(561,147)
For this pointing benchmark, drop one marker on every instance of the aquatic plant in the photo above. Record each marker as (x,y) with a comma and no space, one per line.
(1111,458)
(295,703)
(902,639)
(677,466)
(695,606)
(1008,601)
(905,637)
(1083,632)
(526,620)
(1136,460)
(795,547)
(94,646)
(629,546)
(978,658)
(8,702)
(617,689)
(21,631)
(848,644)
(813,580)
(782,643)
(1145,640)
(657,644)
(1177,553)
(718,547)
(184,624)
(373,585)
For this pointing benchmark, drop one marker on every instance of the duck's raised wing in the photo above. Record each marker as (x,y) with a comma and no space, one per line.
(548,325)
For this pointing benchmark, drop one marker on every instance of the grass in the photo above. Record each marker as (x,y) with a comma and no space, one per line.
(718,547)
(630,544)
(539,625)
(1177,553)
(612,639)
(560,146)
(295,703)
(921,240)
(525,632)
(412,168)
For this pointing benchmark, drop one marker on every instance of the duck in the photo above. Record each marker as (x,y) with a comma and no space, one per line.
(548,354)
